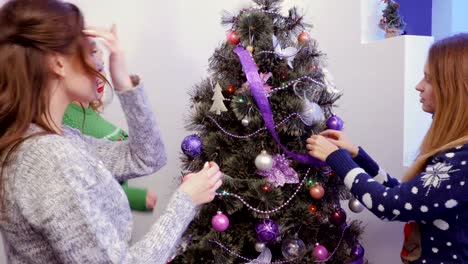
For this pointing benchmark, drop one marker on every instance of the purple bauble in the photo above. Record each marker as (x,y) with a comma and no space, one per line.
(267,230)
(220,222)
(337,217)
(335,123)
(357,252)
(320,252)
(192,145)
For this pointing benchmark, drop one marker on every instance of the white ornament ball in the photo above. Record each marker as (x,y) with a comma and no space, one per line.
(245,122)
(260,247)
(264,161)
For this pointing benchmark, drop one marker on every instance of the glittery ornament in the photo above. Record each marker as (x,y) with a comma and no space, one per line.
(267,230)
(293,248)
(192,145)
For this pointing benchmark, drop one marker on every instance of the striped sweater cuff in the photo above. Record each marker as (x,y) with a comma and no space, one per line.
(344,166)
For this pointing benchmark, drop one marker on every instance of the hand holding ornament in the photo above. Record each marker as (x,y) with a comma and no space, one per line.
(341,140)
(202,186)
(319,147)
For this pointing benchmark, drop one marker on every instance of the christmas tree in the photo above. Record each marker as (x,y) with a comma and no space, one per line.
(391,20)
(277,204)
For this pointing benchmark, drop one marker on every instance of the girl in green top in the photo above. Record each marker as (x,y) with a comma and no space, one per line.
(86,118)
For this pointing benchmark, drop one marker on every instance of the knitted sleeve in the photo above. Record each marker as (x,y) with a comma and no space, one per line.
(70,204)
(439,188)
(374,170)
(143,153)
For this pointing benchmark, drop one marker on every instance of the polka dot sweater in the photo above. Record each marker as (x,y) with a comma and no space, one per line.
(436,199)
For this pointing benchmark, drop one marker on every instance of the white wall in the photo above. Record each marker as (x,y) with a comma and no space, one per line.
(169,43)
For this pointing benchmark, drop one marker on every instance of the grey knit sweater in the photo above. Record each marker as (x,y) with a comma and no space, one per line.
(64,203)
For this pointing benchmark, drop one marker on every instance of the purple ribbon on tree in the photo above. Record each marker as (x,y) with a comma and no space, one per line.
(256,88)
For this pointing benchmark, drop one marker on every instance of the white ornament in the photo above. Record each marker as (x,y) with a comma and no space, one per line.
(264,161)
(312,113)
(264,258)
(218,101)
(288,53)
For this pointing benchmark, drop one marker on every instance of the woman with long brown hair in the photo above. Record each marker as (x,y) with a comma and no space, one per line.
(433,197)
(60,198)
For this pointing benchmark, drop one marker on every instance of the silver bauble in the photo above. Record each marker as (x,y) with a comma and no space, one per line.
(260,246)
(355,205)
(264,161)
(245,122)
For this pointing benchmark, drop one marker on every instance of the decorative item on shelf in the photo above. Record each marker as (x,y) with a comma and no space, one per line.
(281,172)
(293,248)
(335,122)
(317,191)
(192,146)
(218,101)
(320,252)
(233,38)
(392,22)
(264,161)
(220,222)
(304,37)
(355,205)
(337,217)
(267,230)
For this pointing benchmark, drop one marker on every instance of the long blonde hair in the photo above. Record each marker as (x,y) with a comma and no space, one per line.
(448,71)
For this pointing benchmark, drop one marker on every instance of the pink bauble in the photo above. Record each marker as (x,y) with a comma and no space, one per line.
(317,192)
(320,252)
(220,222)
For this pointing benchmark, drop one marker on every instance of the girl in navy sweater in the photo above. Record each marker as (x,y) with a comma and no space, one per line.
(433,195)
